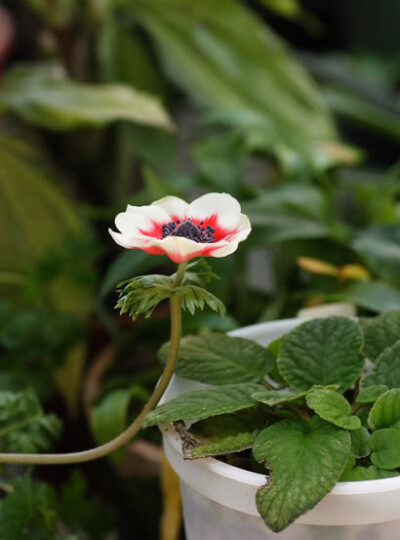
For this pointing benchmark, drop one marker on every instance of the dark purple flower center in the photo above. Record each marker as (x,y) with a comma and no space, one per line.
(189,230)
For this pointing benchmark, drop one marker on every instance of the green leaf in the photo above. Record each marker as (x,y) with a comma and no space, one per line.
(386,369)
(43,96)
(322,352)
(29,511)
(204,403)
(381,332)
(141,295)
(360,474)
(357,474)
(219,359)
(371,394)
(379,474)
(305,462)
(333,408)
(194,297)
(206,51)
(225,434)
(386,410)
(363,415)
(374,295)
(359,442)
(198,272)
(277,397)
(109,418)
(385,446)
(24,428)
(274,348)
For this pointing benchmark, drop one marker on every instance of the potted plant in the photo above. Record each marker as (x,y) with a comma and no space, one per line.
(294,419)
(304,417)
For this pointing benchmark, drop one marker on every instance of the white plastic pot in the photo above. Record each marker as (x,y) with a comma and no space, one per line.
(219,500)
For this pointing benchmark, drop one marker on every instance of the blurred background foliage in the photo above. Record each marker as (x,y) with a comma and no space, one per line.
(292,107)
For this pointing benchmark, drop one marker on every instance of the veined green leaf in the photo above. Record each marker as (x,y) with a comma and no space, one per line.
(385,446)
(332,407)
(226,433)
(371,393)
(359,442)
(386,410)
(204,403)
(275,397)
(219,359)
(322,352)
(305,462)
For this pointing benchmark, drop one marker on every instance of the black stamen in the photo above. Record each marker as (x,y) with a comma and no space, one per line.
(188,229)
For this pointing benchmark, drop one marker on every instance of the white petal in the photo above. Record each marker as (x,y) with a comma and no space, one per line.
(154,213)
(178,248)
(223,205)
(242,232)
(132,224)
(225,250)
(127,241)
(227,246)
(174,206)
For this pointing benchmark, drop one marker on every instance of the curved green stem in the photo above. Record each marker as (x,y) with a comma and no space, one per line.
(133,429)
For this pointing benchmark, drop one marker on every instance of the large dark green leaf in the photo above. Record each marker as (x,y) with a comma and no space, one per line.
(204,403)
(225,434)
(305,462)
(43,96)
(322,352)
(219,359)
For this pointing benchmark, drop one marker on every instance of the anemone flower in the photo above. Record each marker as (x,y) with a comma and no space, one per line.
(210,226)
